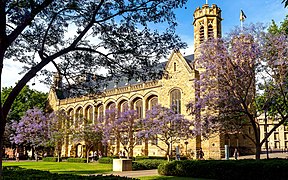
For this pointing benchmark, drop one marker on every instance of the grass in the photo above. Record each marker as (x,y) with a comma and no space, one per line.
(64,167)
(81,169)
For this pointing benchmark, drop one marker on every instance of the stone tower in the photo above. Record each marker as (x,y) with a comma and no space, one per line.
(207,23)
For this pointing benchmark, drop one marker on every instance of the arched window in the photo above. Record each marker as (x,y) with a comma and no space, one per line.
(99,114)
(175,100)
(124,106)
(111,105)
(153,102)
(138,106)
(78,117)
(69,122)
(89,114)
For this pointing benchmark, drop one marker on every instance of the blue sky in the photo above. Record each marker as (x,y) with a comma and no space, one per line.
(256,11)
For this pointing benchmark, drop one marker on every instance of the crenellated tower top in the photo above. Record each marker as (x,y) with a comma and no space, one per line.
(207,24)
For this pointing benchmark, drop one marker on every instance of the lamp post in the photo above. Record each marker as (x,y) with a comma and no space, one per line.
(186,143)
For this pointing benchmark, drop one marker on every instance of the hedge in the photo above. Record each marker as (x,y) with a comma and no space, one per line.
(77,160)
(51,159)
(227,170)
(17,173)
(138,158)
(106,160)
(147,164)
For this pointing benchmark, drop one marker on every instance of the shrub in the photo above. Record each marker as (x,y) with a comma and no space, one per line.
(106,160)
(226,170)
(51,159)
(17,173)
(138,158)
(147,164)
(77,160)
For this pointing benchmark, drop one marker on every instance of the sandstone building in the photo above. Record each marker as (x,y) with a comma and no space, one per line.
(176,86)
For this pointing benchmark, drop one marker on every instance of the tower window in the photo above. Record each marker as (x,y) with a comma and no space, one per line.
(201,34)
(175,66)
(210,31)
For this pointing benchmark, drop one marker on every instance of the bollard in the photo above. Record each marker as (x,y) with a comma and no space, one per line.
(226,152)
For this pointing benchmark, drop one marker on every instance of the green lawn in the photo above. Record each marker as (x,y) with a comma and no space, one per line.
(80,169)
(64,167)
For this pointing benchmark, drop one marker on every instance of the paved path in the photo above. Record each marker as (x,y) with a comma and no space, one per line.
(135,174)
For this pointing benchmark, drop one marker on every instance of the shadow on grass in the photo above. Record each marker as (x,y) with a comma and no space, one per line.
(82,172)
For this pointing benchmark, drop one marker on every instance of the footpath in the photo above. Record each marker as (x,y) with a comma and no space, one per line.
(136,174)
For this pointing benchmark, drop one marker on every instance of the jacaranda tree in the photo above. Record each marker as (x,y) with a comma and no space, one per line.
(122,127)
(165,125)
(32,130)
(89,134)
(233,70)
(80,36)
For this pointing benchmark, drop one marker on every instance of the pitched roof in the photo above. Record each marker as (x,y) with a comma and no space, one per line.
(116,82)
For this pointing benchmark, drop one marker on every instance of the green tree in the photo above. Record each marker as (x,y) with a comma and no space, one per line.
(80,36)
(27,99)
(283,28)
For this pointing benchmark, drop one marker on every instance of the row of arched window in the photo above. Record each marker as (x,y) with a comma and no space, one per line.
(91,113)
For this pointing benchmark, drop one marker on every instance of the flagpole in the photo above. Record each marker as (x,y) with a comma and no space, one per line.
(206,1)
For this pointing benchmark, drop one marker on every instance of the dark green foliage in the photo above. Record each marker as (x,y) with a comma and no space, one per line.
(17,173)
(147,164)
(27,99)
(226,170)
(51,159)
(137,158)
(77,160)
(106,160)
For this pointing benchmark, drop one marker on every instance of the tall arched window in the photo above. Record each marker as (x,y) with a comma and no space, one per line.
(89,114)
(78,117)
(99,114)
(139,107)
(69,122)
(175,100)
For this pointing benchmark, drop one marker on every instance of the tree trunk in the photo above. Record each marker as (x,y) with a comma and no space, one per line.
(58,156)
(258,150)
(1,155)
(266,133)
(168,152)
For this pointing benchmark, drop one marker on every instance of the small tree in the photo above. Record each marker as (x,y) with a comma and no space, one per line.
(32,130)
(90,134)
(57,131)
(122,127)
(166,125)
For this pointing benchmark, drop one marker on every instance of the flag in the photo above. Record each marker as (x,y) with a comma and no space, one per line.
(242,16)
